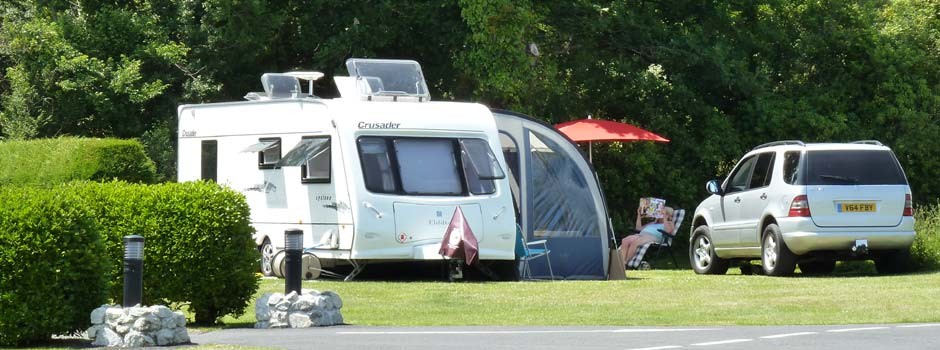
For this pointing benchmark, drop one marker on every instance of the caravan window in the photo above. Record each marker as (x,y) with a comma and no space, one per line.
(312,154)
(269,152)
(428,166)
(480,166)
(210,156)
(377,165)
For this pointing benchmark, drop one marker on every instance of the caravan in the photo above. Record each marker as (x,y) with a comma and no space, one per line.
(372,176)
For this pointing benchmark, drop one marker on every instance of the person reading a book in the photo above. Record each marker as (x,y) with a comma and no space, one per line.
(647,232)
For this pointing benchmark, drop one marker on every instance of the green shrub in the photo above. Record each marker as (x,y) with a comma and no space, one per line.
(51,263)
(198,246)
(53,161)
(926,249)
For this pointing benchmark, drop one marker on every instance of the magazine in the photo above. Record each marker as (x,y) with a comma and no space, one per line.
(652,207)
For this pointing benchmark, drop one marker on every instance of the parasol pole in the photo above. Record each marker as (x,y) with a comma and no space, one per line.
(590,153)
(590,148)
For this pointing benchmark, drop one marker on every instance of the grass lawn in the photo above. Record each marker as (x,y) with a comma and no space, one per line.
(656,297)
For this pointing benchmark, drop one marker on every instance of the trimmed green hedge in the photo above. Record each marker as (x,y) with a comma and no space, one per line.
(51,263)
(926,250)
(61,251)
(53,161)
(198,247)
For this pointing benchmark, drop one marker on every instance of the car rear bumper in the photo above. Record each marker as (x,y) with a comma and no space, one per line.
(802,236)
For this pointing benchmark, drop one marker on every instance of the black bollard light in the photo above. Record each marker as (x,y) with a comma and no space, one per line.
(133,270)
(293,252)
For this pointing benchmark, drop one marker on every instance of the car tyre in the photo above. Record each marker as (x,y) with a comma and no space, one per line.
(822,267)
(776,257)
(267,257)
(893,262)
(702,254)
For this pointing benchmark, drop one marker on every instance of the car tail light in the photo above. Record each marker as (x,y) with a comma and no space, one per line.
(799,206)
(908,205)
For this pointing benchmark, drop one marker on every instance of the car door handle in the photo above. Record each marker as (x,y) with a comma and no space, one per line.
(737,199)
(763,196)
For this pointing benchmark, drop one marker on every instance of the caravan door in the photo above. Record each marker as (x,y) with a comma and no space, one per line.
(557,197)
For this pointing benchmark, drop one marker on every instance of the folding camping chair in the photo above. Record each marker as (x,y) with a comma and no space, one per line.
(665,244)
(526,252)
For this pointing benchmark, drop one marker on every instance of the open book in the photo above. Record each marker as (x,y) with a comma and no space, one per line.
(652,207)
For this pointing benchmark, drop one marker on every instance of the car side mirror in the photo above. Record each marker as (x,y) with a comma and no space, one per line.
(712,187)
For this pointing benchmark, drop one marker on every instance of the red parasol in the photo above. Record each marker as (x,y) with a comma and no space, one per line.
(605,130)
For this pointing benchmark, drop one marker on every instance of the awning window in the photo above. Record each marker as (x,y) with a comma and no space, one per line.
(262,146)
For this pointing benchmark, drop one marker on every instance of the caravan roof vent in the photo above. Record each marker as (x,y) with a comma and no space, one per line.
(284,85)
(278,85)
(388,80)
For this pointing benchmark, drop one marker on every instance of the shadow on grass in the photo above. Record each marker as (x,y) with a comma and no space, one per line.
(64,342)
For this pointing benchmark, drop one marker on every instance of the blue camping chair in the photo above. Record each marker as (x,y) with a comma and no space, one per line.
(525,252)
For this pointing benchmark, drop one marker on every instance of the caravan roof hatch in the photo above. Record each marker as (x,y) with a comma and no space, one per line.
(388,80)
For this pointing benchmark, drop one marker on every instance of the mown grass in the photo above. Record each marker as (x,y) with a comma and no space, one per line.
(656,297)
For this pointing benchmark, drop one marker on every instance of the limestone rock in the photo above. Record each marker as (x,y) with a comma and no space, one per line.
(321,301)
(279,319)
(337,318)
(147,323)
(162,311)
(299,320)
(334,298)
(317,318)
(180,319)
(263,325)
(165,336)
(262,313)
(113,315)
(107,337)
(121,329)
(136,339)
(291,297)
(181,336)
(275,298)
(98,315)
(92,332)
(138,311)
(304,302)
(284,305)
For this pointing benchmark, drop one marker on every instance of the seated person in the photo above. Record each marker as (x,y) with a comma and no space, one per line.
(648,233)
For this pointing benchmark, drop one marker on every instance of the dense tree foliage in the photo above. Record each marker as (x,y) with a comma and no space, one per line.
(716,77)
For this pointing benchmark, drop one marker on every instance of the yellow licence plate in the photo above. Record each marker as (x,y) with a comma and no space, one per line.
(857,207)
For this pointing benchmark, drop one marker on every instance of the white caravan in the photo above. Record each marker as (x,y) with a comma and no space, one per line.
(372,176)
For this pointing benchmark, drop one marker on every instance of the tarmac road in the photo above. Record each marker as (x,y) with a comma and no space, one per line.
(829,337)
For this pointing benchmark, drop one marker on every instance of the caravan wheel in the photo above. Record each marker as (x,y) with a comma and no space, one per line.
(267,256)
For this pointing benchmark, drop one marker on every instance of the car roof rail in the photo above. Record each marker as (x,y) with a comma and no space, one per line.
(869,142)
(780,143)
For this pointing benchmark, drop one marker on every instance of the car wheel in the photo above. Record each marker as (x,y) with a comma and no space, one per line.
(776,258)
(818,267)
(267,256)
(702,254)
(893,262)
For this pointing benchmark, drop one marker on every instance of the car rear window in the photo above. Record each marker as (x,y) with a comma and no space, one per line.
(853,167)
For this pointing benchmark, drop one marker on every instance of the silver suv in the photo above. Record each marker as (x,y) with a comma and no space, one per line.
(789,203)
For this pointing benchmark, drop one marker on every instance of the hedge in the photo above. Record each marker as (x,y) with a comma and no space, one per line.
(50,258)
(926,250)
(198,243)
(61,251)
(54,161)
